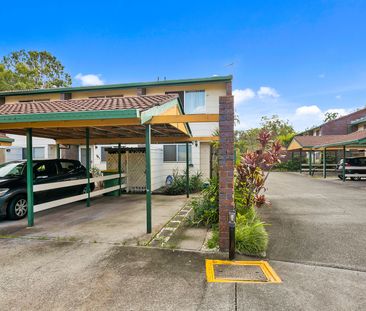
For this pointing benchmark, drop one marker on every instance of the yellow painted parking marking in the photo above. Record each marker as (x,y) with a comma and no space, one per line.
(267,270)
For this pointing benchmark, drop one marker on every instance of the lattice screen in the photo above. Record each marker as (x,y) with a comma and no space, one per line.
(134,165)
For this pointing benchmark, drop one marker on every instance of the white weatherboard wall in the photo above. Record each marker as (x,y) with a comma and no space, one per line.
(14,152)
(160,169)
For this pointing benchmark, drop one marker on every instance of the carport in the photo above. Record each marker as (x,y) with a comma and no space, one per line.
(325,144)
(126,120)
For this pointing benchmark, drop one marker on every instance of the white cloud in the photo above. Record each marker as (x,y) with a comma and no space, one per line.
(266,91)
(89,79)
(308,110)
(321,76)
(241,96)
(338,97)
(340,111)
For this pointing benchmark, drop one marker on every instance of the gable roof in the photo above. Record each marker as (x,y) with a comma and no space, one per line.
(140,103)
(309,142)
(118,86)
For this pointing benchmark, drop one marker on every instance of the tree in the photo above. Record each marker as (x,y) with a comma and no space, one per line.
(276,126)
(32,70)
(329,116)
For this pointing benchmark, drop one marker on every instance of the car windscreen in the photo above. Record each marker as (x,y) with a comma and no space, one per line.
(11,169)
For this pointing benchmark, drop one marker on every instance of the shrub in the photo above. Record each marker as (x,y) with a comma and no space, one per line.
(288,166)
(213,242)
(178,185)
(251,235)
(206,207)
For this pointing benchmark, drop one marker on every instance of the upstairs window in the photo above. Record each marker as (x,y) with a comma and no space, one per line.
(195,102)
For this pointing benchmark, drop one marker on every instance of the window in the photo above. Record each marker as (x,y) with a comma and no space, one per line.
(38,153)
(83,156)
(177,153)
(43,170)
(34,100)
(103,154)
(106,96)
(67,166)
(195,102)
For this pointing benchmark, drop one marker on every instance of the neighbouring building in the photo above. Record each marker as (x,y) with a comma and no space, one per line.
(196,95)
(345,128)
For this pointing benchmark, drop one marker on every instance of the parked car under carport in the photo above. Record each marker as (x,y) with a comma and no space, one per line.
(13,183)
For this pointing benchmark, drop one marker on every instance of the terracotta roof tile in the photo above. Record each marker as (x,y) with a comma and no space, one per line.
(141,103)
(311,141)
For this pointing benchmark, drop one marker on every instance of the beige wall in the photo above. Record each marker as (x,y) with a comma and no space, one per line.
(361,126)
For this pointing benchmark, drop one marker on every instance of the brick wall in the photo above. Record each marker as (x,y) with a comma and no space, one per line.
(342,125)
(226,167)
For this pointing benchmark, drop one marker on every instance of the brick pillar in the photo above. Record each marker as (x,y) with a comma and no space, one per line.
(226,168)
(141,91)
(229,88)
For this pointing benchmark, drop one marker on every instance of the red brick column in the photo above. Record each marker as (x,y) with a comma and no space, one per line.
(226,168)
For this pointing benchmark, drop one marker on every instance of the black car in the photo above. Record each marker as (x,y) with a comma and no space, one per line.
(356,165)
(13,183)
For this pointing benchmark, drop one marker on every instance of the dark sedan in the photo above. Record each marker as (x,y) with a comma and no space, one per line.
(13,184)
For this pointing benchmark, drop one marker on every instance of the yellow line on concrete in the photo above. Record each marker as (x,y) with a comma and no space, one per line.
(267,270)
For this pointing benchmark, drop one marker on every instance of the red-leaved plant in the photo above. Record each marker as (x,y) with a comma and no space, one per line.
(253,171)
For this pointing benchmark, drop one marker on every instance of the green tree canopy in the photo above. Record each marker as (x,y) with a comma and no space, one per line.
(329,116)
(280,130)
(32,70)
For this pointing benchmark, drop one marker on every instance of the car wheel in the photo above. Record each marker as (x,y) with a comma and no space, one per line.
(18,208)
(356,178)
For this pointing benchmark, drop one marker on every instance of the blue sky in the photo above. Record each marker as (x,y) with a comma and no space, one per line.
(297,59)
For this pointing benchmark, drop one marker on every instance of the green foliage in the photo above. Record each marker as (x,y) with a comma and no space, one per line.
(206,207)
(329,116)
(251,237)
(288,166)
(95,171)
(213,242)
(277,126)
(32,70)
(178,186)
(246,141)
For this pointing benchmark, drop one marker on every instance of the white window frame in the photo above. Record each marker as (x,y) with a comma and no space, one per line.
(185,100)
(176,154)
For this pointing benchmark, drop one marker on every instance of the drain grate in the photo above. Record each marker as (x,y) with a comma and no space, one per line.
(240,272)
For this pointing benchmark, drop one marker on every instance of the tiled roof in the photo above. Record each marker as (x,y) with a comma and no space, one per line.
(140,103)
(318,141)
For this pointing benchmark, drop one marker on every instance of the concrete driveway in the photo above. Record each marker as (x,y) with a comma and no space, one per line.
(317,248)
(108,219)
(319,221)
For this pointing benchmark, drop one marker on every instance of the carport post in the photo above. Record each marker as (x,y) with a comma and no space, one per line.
(187,170)
(344,165)
(148,177)
(30,195)
(300,161)
(119,169)
(310,160)
(58,151)
(87,144)
(325,163)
